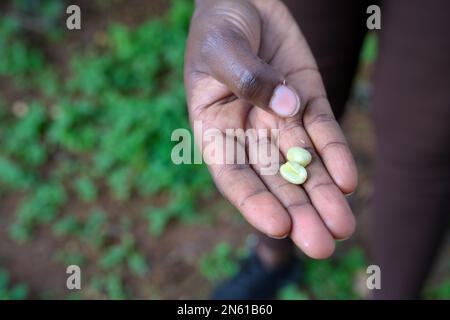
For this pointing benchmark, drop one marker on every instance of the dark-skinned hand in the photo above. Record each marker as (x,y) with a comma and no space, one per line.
(248,66)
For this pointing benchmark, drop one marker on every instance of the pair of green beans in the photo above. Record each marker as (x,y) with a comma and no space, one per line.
(294,170)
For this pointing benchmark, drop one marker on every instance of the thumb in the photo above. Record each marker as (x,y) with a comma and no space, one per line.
(230,60)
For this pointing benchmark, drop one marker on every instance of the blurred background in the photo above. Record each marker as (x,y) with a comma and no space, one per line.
(85,171)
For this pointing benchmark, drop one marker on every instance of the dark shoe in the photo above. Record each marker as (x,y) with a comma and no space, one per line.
(255,281)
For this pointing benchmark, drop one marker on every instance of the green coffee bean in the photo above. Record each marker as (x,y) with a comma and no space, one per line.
(293,172)
(299,155)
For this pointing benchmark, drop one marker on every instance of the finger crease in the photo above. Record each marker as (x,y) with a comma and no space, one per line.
(316,98)
(311,189)
(281,186)
(301,70)
(297,205)
(231,168)
(290,127)
(331,144)
(321,118)
(251,195)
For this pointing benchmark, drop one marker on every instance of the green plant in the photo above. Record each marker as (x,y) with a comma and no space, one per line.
(328,279)
(114,287)
(219,264)
(67,225)
(115,254)
(292,292)
(439,292)
(110,286)
(109,122)
(11,292)
(369,50)
(43,15)
(137,264)
(94,228)
(40,208)
(86,189)
(70,257)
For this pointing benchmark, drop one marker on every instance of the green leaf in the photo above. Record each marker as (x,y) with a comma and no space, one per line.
(157,220)
(115,287)
(19,292)
(68,225)
(219,264)
(116,254)
(86,189)
(292,292)
(137,264)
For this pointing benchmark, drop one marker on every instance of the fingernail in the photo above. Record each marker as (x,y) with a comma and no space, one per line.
(279,238)
(285,102)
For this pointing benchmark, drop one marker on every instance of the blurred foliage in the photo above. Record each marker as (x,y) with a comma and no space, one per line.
(322,279)
(101,132)
(335,279)
(292,292)
(329,279)
(440,291)
(109,122)
(219,264)
(369,50)
(46,10)
(11,292)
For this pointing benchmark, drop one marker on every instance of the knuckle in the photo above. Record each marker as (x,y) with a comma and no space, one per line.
(319,184)
(247,85)
(212,41)
(333,144)
(323,118)
(299,205)
(217,39)
(227,169)
(242,202)
(313,117)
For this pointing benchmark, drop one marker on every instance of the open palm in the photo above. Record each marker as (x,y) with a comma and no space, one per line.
(239,53)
